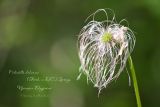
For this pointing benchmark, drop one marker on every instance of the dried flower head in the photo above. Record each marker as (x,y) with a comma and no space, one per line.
(104,47)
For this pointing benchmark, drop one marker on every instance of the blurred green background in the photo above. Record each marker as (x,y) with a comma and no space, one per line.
(41,35)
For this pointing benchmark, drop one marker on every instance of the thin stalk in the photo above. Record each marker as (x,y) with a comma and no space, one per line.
(135,84)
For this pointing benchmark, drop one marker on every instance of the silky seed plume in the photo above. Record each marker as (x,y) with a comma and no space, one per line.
(103,48)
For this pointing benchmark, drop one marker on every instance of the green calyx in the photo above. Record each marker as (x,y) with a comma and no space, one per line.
(106,37)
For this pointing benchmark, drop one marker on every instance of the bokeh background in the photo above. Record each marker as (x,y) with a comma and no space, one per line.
(41,36)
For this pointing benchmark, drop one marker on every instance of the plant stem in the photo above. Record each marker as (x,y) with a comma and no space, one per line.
(135,84)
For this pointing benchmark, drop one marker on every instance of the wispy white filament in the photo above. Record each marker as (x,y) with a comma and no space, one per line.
(104,47)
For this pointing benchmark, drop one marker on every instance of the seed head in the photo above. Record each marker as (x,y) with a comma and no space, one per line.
(103,48)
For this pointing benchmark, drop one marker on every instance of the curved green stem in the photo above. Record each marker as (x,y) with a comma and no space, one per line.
(135,84)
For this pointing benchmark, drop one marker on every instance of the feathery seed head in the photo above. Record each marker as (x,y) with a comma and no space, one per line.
(104,47)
